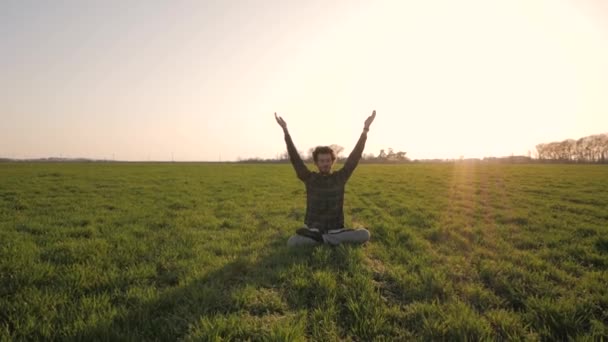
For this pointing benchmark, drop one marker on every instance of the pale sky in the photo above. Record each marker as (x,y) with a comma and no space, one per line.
(141,80)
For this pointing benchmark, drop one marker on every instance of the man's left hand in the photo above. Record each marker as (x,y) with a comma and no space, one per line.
(369,120)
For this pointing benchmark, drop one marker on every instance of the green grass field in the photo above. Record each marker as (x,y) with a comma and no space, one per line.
(198,252)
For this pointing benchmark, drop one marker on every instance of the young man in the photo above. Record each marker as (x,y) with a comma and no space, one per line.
(324,221)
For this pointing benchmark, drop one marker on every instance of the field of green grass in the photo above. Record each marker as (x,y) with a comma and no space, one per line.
(132,251)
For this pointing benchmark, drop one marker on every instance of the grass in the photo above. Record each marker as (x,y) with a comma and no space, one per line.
(198,252)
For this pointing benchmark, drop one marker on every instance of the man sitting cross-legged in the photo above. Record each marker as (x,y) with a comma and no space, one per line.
(324,221)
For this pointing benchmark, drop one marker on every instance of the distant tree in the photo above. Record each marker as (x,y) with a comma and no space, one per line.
(368,156)
(382,155)
(284,156)
(593,148)
(391,156)
(600,147)
(309,155)
(603,142)
(400,156)
(337,149)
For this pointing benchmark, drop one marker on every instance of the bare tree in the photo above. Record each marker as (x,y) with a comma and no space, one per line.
(337,149)
(541,151)
(603,142)
(401,156)
(284,155)
(368,156)
(593,149)
(309,156)
(382,155)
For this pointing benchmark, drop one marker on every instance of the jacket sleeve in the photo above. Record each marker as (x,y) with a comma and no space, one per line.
(353,158)
(301,170)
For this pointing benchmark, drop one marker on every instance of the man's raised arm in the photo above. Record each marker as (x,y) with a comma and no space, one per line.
(353,158)
(301,170)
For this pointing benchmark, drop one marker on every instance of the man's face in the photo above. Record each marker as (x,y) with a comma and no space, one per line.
(324,163)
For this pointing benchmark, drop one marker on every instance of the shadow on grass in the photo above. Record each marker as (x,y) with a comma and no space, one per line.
(261,296)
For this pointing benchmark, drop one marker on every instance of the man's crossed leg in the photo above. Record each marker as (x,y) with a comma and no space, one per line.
(311,236)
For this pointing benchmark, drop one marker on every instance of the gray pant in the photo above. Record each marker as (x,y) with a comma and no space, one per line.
(333,237)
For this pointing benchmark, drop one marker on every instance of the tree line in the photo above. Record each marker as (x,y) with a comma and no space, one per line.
(384,156)
(589,149)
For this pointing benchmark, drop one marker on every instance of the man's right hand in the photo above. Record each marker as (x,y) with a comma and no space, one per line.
(281,122)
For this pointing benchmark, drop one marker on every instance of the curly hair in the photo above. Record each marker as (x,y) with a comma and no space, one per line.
(323,150)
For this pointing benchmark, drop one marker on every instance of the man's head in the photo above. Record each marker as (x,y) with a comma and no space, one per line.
(324,158)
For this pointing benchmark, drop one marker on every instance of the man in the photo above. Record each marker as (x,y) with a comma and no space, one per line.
(324,221)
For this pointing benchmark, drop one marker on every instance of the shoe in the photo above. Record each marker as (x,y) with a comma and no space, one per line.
(310,234)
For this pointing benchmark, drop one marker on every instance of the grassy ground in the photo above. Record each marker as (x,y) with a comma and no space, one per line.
(198,252)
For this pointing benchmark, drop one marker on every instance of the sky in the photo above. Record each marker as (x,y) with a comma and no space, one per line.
(201,80)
